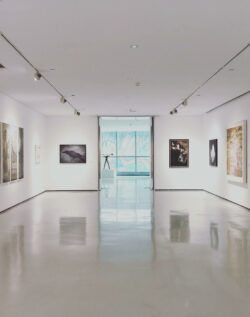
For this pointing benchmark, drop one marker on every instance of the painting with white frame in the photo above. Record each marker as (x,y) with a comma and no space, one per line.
(37,154)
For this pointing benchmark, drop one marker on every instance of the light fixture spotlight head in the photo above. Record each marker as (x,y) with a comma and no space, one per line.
(62,99)
(175,110)
(77,113)
(37,76)
(185,102)
(134,46)
(171,112)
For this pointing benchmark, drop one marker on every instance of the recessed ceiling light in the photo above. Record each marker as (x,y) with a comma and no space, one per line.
(134,46)
(132,110)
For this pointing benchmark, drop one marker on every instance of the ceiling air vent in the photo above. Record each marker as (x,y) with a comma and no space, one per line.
(1,66)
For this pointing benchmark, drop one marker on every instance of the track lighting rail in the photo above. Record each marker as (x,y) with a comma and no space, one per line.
(38,74)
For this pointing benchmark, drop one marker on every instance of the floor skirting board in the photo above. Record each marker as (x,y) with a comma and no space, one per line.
(159,190)
(96,190)
(176,190)
(226,199)
(71,190)
(45,191)
(21,202)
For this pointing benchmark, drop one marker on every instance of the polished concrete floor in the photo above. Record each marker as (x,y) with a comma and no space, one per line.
(125,253)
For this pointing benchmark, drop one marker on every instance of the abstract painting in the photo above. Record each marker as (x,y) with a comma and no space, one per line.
(236,152)
(213,152)
(21,153)
(6,137)
(179,153)
(72,154)
(14,143)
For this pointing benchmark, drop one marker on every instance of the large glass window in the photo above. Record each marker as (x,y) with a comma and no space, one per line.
(130,152)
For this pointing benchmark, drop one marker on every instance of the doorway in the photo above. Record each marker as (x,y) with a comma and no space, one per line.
(125,150)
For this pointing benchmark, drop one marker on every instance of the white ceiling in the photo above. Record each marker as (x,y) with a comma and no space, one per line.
(181,44)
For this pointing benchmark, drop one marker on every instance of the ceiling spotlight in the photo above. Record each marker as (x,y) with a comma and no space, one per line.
(175,110)
(77,113)
(132,110)
(62,99)
(134,46)
(171,112)
(185,102)
(37,76)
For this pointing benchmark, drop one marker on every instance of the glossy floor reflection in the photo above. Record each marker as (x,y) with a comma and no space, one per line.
(125,253)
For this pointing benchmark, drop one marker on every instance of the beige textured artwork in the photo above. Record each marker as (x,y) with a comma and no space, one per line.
(235,151)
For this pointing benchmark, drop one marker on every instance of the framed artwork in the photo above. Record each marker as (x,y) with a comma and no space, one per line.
(178,153)
(213,152)
(14,147)
(1,152)
(6,152)
(12,153)
(37,154)
(236,152)
(21,153)
(72,154)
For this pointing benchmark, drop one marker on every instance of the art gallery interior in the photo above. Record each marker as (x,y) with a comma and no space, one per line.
(124,158)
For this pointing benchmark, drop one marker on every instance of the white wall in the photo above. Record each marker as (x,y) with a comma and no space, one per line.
(33,123)
(177,127)
(215,127)
(72,130)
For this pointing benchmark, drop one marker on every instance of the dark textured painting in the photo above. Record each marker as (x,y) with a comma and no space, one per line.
(21,153)
(213,152)
(14,146)
(6,137)
(179,153)
(0,152)
(72,154)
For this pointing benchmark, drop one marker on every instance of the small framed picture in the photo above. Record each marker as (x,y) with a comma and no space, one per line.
(178,153)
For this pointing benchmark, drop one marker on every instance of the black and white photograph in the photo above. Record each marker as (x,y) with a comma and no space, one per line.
(213,152)
(72,154)
(179,153)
